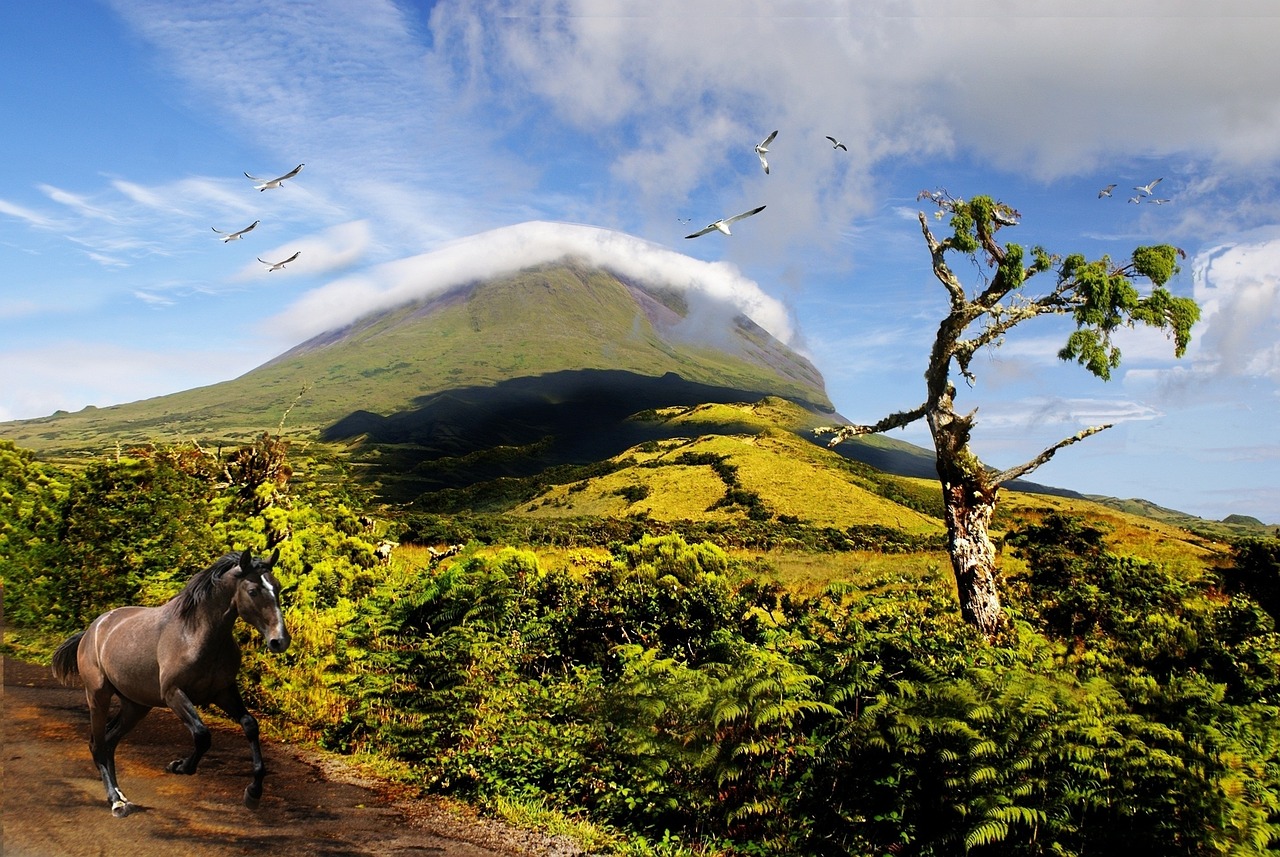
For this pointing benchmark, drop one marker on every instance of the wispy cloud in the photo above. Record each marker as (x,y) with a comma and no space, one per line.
(78,203)
(31,218)
(331,250)
(355,96)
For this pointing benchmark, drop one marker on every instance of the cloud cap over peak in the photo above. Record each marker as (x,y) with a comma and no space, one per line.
(504,251)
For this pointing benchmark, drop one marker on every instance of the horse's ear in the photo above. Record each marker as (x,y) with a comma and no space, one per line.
(246,562)
(275,556)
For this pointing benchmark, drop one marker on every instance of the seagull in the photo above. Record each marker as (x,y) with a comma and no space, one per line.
(1146,189)
(1106,191)
(1158,201)
(1136,200)
(763,149)
(232,236)
(836,144)
(275,266)
(274,182)
(723,225)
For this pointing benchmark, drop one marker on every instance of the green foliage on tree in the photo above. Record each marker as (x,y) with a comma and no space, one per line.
(1100,296)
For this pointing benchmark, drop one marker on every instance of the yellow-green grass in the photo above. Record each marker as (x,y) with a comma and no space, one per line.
(807,573)
(794,477)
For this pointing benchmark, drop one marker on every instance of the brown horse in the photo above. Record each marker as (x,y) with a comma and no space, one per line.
(180,655)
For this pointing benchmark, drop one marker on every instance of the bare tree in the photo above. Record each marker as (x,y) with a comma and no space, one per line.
(1100,296)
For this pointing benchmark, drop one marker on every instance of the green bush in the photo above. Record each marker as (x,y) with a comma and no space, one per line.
(667,692)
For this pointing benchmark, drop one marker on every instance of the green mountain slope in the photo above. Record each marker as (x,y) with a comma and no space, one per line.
(555,319)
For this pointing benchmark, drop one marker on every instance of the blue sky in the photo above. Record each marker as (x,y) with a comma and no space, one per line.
(451,140)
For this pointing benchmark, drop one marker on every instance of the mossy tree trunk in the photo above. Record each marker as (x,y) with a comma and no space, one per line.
(969,501)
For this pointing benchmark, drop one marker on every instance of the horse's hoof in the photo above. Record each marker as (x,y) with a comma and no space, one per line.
(121,808)
(250,800)
(175,767)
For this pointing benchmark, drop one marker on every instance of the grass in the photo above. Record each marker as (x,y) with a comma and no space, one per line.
(793,477)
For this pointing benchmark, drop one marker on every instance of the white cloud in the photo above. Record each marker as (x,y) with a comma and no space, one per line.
(192,196)
(77,203)
(32,218)
(1238,288)
(510,249)
(677,95)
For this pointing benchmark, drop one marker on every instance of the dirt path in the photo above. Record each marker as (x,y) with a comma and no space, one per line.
(54,806)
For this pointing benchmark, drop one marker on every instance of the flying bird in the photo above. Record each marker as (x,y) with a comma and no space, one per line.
(1106,191)
(233,236)
(1146,189)
(723,225)
(762,149)
(1158,201)
(1136,200)
(275,266)
(836,144)
(274,182)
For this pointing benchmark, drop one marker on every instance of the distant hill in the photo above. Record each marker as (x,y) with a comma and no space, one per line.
(1232,526)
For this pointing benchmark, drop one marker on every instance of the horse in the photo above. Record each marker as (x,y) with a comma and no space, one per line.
(178,655)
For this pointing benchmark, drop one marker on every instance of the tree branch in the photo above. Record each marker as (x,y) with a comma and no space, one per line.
(1023,469)
(1050,304)
(898,420)
(938,249)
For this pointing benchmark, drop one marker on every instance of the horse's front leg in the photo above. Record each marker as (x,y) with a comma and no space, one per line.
(177,700)
(234,706)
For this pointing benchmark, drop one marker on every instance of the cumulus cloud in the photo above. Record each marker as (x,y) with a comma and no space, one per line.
(908,78)
(510,249)
(675,98)
(1238,288)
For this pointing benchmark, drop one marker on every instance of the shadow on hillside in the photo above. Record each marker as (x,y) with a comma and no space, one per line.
(519,427)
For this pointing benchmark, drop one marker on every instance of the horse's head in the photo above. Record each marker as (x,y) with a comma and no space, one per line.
(257,599)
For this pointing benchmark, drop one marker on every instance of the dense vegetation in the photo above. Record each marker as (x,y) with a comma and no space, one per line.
(666,687)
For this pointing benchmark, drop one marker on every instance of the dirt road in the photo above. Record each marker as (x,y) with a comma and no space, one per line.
(52,802)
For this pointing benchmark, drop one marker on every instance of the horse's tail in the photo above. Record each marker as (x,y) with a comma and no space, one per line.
(66,664)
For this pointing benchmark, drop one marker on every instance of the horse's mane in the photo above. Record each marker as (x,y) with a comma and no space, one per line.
(202,584)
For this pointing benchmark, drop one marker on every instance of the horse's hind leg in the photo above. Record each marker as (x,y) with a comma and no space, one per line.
(104,735)
(233,705)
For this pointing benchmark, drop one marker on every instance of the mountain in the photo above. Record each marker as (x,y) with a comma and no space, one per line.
(551,360)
